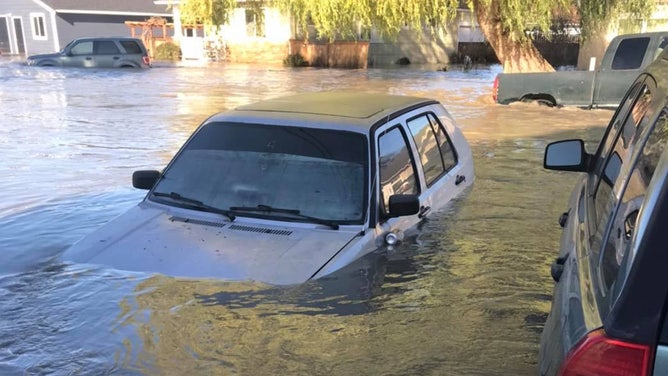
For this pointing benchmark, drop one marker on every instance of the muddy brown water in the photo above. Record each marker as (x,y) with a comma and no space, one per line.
(467,297)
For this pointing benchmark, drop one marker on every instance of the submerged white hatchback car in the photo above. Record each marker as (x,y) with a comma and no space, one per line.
(289,189)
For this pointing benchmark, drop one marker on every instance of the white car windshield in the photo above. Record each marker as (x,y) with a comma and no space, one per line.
(319,173)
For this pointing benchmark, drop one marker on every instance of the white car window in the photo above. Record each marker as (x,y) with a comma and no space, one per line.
(428,148)
(321,173)
(396,165)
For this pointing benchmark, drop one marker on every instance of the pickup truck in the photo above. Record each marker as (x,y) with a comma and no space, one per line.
(626,56)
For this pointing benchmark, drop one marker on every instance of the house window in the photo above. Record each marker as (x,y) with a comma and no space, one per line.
(193,32)
(254,22)
(38,26)
(5,46)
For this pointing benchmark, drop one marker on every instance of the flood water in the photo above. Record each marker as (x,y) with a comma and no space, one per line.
(467,297)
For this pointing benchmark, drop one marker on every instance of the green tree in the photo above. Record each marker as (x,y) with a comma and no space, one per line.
(503,22)
(207,12)
(335,19)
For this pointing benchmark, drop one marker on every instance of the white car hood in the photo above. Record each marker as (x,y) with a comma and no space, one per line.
(149,239)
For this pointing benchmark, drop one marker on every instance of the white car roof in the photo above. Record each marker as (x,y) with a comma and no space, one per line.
(335,109)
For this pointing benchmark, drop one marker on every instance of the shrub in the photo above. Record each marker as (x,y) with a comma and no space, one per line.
(295,60)
(168,51)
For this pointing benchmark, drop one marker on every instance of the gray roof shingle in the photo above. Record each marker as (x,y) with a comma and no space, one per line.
(107,6)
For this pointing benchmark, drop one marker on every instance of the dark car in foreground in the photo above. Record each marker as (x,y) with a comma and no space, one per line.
(97,53)
(608,313)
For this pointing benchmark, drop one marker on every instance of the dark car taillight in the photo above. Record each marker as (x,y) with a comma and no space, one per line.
(146,60)
(495,89)
(600,355)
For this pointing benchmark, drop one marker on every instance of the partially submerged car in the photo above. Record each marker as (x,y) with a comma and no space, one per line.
(97,53)
(289,189)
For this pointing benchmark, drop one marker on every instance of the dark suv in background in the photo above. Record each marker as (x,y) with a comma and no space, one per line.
(608,313)
(97,53)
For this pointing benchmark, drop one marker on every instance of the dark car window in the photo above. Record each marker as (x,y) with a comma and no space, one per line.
(612,131)
(662,46)
(445,144)
(396,165)
(619,145)
(623,225)
(428,148)
(630,53)
(106,47)
(604,196)
(82,48)
(131,47)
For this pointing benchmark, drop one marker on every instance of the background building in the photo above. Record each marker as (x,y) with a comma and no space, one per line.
(43,26)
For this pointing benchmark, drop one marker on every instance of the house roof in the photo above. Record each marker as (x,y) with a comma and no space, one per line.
(116,7)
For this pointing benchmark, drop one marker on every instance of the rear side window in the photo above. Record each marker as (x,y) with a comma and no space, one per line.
(396,165)
(131,47)
(428,148)
(444,143)
(630,53)
(436,152)
(106,47)
(623,224)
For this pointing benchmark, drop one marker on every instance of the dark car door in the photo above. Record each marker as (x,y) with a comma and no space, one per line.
(106,54)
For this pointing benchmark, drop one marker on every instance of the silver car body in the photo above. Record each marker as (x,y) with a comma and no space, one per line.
(158,237)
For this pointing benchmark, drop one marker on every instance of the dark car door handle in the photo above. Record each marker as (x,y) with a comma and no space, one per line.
(116,57)
(459,179)
(424,211)
(89,58)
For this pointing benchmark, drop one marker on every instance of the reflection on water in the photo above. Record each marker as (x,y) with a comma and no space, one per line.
(466,297)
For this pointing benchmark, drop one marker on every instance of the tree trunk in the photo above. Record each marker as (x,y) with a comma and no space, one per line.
(515,56)
(594,46)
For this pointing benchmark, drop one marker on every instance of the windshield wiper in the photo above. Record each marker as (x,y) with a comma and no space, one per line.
(195,204)
(268,209)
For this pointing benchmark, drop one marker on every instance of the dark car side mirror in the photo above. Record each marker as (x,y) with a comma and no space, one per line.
(403,205)
(566,155)
(145,179)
